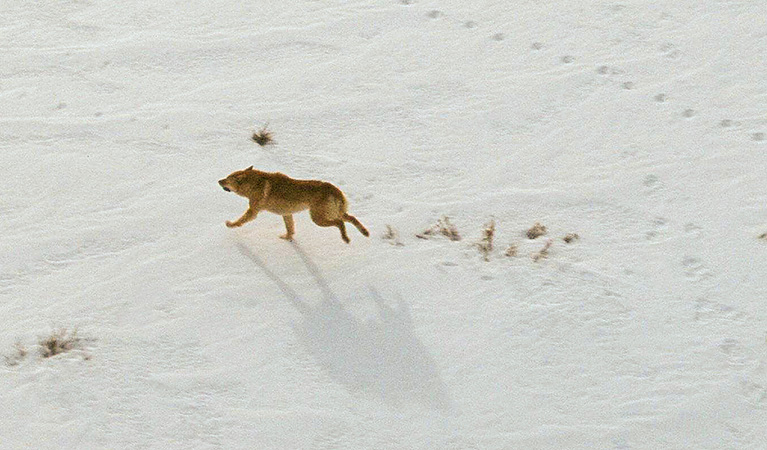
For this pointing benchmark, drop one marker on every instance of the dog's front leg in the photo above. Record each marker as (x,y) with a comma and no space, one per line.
(249,215)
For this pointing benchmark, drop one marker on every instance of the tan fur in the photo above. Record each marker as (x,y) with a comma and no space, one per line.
(280,194)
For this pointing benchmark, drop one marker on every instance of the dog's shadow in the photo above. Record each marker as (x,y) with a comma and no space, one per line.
(381,356)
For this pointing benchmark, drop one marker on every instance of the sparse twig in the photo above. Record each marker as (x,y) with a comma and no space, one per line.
(392,236)
(536,231)
(19,353)
(542,253)
(263,136)
(485,246)
(570,237)
(443,227)
(60,341)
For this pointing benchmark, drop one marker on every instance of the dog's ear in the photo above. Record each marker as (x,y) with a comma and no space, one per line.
(249,168)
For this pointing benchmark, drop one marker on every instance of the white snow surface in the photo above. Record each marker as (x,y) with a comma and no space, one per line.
(638,125)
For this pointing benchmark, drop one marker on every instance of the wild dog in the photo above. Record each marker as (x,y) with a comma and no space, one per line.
(278,193)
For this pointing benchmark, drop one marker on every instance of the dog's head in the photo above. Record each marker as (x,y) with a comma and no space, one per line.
(235,181)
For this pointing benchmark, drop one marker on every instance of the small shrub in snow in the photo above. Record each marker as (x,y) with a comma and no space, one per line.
(60,341)
(542,253)
(392,236)
(485,246)
(570,237)
(443,227)
(536,231)
(263,136)
(512,251)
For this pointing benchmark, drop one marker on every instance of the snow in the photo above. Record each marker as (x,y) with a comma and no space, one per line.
(638,126)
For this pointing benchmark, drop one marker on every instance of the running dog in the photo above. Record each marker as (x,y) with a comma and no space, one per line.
(280,194)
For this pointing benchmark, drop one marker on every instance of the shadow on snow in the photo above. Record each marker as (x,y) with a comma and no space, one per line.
(382,356)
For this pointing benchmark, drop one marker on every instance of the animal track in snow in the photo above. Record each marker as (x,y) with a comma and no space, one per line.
(660,98)
(670,51)
(688,113)
(728,345)
(695,269)
(691,228)
(652,183)
(567,59)
(758,137)
(536,45)
(435,14)
(707,311)
(605,70)
(659,228)
(470,24)
(499,37)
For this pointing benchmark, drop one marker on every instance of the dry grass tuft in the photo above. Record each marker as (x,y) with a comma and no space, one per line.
(443,227)
(763,236)
(570,237)
(536,231)
(60,341)
(263,136)
(485,246)
(542,253)
(392,236)
(19,353)
(512,251)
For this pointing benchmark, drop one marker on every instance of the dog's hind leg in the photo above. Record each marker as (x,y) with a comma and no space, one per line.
(320,220)
(353,220)
(289,226)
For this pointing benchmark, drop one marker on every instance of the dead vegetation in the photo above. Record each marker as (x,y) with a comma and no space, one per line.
(19,353)
(392,236)
(542,253)
(59,341)
(443,227)
(570,237)
(263,136)
(485,245)
(512,251)
(763,236)
(536,231)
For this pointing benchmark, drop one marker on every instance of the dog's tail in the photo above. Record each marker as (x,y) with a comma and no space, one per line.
(353,220)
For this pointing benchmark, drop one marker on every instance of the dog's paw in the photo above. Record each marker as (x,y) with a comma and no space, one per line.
(287,237)
(231,224)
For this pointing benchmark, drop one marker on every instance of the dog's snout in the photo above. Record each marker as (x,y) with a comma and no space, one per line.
(221,182)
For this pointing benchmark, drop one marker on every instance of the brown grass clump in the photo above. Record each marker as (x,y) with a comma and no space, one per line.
(60,341)
(19,353)
(392,236)
(570,237)
(763,236)
(263,136)
(542,253)
(485,246)
(536,231)
(512,251)
(443,227)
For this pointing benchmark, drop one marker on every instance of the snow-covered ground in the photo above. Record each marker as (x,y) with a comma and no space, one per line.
(641,126)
